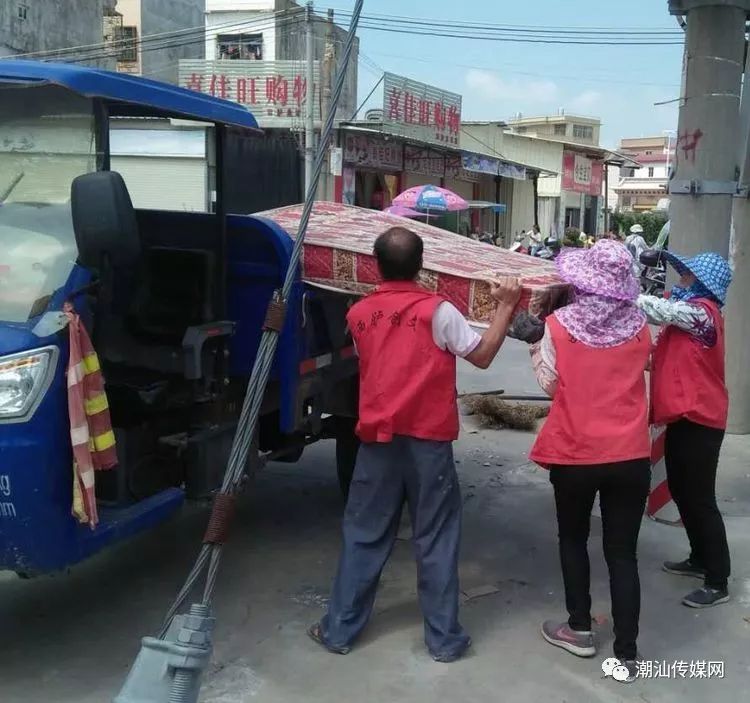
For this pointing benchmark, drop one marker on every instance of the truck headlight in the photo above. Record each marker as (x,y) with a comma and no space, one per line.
(24,379)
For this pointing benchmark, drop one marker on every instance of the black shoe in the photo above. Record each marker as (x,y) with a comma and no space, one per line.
(684,568)
(706,597)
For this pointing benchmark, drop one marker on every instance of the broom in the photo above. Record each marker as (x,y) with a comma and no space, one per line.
(494,413)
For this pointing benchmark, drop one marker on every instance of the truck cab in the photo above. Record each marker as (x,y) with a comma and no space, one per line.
(174,303)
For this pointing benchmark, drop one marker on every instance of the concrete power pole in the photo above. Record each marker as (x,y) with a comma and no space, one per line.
(705,184)
(705,178)
(310,99)
(737,312)
(326,88)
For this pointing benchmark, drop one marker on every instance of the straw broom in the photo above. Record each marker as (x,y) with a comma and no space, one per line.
(494,413)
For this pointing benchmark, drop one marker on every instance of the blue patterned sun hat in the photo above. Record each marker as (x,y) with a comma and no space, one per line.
(712,270)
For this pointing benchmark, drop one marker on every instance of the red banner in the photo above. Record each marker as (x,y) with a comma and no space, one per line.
(582,175)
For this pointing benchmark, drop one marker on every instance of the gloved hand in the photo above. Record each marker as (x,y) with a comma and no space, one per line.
(526,327)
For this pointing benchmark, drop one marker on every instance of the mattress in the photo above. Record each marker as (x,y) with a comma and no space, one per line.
(338,254)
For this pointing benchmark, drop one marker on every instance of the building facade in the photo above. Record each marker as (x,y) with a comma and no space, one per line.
(135,33)
(33,26)
(644,188)
(570,184)
(561,127)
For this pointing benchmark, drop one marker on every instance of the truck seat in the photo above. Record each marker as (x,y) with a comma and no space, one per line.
(147,298)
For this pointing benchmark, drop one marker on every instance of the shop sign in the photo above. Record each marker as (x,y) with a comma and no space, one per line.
(420,111)
(274,91)
(373,152)
(480,163)
(581,175)
(424,162)
(454,169)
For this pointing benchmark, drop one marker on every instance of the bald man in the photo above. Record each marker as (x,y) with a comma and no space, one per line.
(407,339)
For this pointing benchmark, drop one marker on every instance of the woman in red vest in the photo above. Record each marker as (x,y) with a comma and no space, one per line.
(592,361)
(689,396)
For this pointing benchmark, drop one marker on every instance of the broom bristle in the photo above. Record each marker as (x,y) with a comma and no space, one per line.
(494,413)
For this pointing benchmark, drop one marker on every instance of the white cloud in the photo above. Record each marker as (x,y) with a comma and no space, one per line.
(490,87)
(586,101)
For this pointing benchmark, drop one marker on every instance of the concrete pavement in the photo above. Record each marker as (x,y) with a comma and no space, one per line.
(72,638)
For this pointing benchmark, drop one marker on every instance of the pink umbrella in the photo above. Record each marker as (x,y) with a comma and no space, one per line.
(431,199)
(401,211)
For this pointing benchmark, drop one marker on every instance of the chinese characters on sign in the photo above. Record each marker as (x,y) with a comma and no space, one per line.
(424,162)
(373,152)
(276,92)
(454,168)
(421,111)
(582,175)
(486,164)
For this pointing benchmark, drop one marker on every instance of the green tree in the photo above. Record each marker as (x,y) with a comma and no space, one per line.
(652,222)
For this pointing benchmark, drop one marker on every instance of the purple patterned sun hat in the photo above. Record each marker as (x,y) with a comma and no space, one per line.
(606,270)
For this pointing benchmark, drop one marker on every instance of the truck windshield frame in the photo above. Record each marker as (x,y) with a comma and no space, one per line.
(48,137)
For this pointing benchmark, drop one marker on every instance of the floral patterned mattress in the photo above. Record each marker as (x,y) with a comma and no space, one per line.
(338,254)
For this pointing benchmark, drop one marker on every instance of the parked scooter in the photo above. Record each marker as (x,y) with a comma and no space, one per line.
(550,250)
(654,273)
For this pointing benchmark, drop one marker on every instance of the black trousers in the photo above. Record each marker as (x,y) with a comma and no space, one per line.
(691,454)
(623,488)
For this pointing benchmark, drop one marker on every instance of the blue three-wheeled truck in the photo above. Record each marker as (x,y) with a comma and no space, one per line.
(174,303)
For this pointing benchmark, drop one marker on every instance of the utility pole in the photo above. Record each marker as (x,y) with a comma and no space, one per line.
(705,179)
(326,83)
(310,99)
(737,312)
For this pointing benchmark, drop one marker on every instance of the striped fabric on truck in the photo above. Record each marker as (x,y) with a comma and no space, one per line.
(91,433)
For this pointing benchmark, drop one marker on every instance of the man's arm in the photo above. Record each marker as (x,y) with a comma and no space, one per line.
(507,293)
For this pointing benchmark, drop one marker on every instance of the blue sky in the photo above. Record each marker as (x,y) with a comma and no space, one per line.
(618,84)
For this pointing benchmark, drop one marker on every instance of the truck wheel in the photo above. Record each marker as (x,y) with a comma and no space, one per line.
(347,445)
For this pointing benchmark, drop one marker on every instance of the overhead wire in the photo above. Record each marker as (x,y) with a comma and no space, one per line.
(199,38)
(394,24)
(121,44)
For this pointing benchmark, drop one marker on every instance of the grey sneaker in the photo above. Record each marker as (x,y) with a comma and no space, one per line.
(706,597)
(561,635)
(684,568)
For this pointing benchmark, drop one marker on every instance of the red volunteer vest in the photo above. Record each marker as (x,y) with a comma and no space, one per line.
(599,413)
(687,378)
(407,384)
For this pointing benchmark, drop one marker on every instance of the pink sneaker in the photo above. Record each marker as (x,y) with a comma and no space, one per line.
(560,635)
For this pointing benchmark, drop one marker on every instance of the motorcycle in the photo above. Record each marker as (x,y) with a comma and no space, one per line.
(549,251)
(654,273)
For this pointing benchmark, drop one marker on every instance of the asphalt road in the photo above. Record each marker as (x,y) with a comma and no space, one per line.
(71,638)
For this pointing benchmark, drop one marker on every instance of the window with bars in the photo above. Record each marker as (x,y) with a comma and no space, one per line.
(127,38)
(582,131)
(238,46)
(561,130)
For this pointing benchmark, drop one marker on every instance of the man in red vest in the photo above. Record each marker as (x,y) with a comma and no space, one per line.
(407,340)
